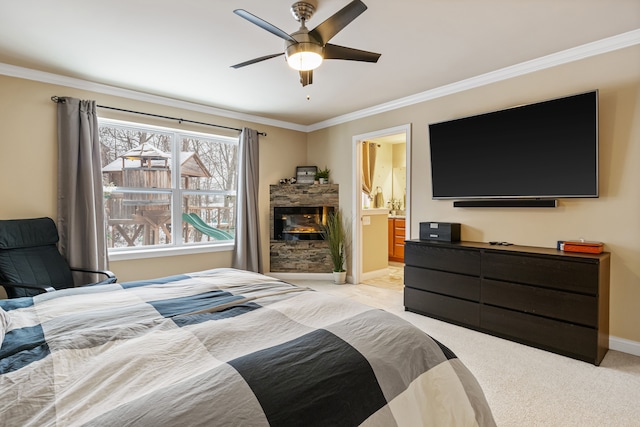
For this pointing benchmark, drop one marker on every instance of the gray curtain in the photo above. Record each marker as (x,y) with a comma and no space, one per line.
(80,197)
(247,254)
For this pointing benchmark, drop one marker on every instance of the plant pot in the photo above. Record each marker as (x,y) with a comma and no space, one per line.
(322,180)
(339,277)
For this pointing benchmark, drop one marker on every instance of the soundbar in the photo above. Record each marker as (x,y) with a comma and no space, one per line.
(506,203)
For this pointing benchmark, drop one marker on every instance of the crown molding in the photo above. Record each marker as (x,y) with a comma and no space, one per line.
(599,47)
(56,79)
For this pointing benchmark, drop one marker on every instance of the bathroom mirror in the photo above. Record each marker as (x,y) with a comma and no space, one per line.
(399,185)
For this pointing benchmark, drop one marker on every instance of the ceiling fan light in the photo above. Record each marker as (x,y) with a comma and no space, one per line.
(304,56)
(304,61)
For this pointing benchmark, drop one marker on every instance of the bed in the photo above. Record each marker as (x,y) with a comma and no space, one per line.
(223,347)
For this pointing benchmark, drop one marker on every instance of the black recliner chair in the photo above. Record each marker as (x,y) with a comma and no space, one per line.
(30,262)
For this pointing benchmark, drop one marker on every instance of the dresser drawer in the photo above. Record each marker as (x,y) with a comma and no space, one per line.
(464,261)
(456,285)
(446,308)
(570,275)
(575,308)
(565,338)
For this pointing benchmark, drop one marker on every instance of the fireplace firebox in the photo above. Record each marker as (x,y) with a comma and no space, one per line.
(299,222)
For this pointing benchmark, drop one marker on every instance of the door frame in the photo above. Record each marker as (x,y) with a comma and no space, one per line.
(356,224)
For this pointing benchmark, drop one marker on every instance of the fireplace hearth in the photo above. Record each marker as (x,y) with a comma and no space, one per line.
(299,222)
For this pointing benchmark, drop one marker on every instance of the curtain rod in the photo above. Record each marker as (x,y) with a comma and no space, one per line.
(59,99)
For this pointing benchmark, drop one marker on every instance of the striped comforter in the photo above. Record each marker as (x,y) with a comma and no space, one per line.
(224,347)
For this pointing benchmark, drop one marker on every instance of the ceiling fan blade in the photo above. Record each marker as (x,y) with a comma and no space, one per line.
(264,25)
(306,77)
(332,51)
(253,61)
(332,26)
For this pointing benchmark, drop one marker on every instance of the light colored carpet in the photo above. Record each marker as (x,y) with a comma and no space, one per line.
(523,385)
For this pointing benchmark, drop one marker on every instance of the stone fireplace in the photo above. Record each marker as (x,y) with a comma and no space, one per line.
(296,244)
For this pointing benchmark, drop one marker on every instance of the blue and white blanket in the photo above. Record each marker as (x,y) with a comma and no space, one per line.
(224,347)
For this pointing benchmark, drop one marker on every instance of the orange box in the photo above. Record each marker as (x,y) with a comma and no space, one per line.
(586,247)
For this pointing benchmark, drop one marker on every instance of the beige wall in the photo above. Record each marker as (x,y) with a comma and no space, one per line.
(613,218)
(28,162)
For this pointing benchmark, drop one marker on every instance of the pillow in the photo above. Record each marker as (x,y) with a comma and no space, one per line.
(5,321)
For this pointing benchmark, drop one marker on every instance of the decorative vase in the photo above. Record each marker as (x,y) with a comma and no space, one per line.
(339,277)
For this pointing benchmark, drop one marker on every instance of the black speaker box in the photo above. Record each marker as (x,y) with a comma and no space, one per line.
(443,231)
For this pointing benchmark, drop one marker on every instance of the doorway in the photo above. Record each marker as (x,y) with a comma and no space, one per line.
(361,217)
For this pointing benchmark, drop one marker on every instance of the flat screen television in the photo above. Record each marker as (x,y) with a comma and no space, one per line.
(545,150)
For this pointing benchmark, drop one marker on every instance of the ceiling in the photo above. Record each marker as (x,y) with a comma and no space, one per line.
(184,49)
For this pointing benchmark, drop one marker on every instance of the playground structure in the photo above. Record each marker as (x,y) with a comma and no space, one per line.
(144,218)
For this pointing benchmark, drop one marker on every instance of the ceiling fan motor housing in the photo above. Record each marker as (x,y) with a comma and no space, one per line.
(306,54)
(305,43)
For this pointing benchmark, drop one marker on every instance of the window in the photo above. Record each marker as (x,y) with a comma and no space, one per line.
(147,206)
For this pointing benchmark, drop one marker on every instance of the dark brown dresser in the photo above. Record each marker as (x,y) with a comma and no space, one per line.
(542,297)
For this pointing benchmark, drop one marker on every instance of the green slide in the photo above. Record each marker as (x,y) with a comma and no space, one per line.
(199,224)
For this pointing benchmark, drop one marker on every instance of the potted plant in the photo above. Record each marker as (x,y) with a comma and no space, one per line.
(334,232)
(323,175)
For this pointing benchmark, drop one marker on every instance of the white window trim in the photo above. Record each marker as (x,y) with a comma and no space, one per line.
(125,254)
(157,252)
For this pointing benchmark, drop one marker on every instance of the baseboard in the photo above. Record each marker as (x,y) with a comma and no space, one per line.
(306,276)
(301,276)
(624,345)
(374,274)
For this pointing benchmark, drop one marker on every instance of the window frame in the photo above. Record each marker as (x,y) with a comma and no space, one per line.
(177,245)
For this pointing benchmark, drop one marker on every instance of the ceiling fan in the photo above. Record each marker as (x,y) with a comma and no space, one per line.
(306,49)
